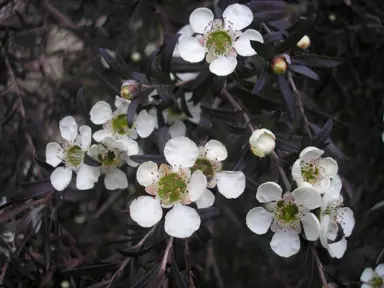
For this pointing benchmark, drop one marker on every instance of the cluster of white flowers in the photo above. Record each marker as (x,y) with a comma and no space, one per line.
(190,172)
(116,142)
(373,278)
(319,186)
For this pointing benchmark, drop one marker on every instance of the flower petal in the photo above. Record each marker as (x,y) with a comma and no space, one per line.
(243,44)
(191,50)
(181,152)
(146,211)
(215,150)
(123,143)
(53,154)
(100,113)
(310,153)
(330,167)
(259,220)
(230,183)
(68,128)
(201,20)
(122,104)
(237,17)
(87,176)
(61,177)
(346,219)
(307,196)
(380,270)
(311,226)
(115,179)
(145,124)
(99,136)
(268,192)
(296,173)
(324,228)
(367,275)
(177,129)
(285,243)
(196,186)
(86,137)
(206,200)
(337,249)
(181,221)
(195,111)
(147,173)
(223,66)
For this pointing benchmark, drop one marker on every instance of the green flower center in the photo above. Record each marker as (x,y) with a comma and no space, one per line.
(171,188)
(74,155)
(218,42)
(120,125)
(310,172)
(286,212)
(205,166)
(377,282)
(109,159)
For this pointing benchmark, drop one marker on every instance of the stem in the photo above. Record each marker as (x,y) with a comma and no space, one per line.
(166,255)
(142,241)
(319,267)
(266,28)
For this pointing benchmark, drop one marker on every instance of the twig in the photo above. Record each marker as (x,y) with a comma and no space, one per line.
(64,20)
(109,202)
(266,28)
(142,241)
(319,267)
(166,255)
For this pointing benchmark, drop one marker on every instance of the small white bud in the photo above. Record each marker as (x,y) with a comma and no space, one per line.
(262,142)
(304,43)
(136,56)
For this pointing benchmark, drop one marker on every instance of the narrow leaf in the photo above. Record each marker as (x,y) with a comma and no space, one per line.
(115,66)
(131,111)
(287,95)
(261,80)
(148,157)
(91,161)
(303,70)
(264,50)
(322,135)
(313,60)
(167,52)
(107,85)
(220,113)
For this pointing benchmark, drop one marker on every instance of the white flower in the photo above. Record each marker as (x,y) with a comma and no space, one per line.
(373,279)
(312,170)
(175,118)
(262,142)
(173,186)
(71,153)
(229,183)
(220,41)
(284,214)
(115,125)
(333,217)
(110,159)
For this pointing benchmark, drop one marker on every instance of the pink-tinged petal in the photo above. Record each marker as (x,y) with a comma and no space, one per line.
(151,189)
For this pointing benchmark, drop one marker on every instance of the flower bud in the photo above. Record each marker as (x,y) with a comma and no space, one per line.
(129,89)
(262,142)
(279,65)
(304,43)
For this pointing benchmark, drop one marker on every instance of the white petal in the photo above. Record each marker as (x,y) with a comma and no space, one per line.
(181,221)
(123,143)
(307,196)
(86,137)
(121,103)
(310,153)
(177,129)
(146,211)
(99,136)
(367,275)
(346,219)
(380,270)
(53,154)
(87,176)
(147,173)
(68,128)
(153,113)
(285,243)
(230,183)
(186,30)
(324,228)
(115,179)
(259,220)
(296,173)
(215,150)
(195,111)
(181,152)
(243,44)
(145,124)
(268,192)
(191,50)
(61,177)
(187,77)
(100,113)
(196,186)
(366,286)
(337,249)
(311,226)
(223,66)
(206,200)
(237,16)
(201,20)
(330,167)
(333,193)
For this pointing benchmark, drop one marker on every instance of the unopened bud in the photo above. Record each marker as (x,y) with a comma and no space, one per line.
(129,89)
(279,65)
(304,43)
(262,142)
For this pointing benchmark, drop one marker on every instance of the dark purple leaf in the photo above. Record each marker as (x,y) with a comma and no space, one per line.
(179,276)
(33,189)
(273,37)
(115,66)
(272,15)
(313,60)
(43,164)
(92,270)
(322,135)
(264,50)
(287,95)
(303,70)
(257,6)
(220,113)
(235,128)
(147,157)
(143,281)
(182,66)
(140,252)
(148,64)
(200,86)
(261,80)
(286,146)
(183,102)
(208,213)
(107,85)
(131,111)
(91,161)
(139,77)
(167,52)
(74,195)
